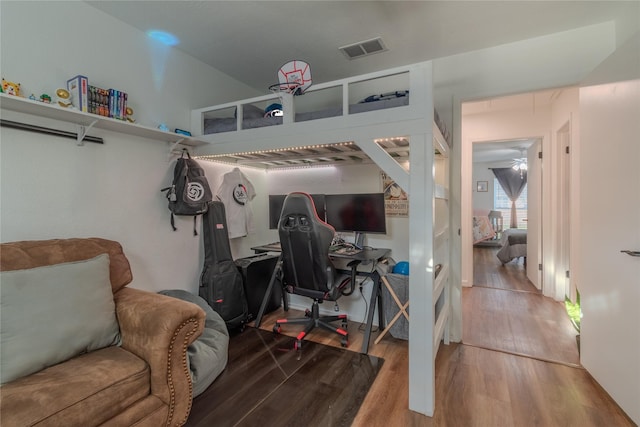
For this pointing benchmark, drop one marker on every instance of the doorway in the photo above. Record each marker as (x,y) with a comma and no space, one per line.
(543,116)
(505,120)
(501,213)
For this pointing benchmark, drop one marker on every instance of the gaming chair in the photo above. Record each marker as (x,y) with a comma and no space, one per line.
(307,269)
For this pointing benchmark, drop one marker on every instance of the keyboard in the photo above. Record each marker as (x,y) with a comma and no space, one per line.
(344,250)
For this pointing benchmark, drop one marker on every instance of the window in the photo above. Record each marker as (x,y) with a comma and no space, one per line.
(502,203)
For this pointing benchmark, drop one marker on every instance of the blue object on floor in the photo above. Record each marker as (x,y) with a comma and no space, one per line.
(401,268)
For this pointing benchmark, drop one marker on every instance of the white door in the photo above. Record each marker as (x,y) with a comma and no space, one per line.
(610,222)
(534,214)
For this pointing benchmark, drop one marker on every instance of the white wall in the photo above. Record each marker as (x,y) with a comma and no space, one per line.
(529,122)
(51,188)
(555,60)
(482,172)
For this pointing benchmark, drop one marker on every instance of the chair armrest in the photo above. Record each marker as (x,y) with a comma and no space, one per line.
(158,329)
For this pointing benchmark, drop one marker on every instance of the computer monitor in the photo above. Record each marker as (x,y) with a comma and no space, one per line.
(359,213)
(276,201)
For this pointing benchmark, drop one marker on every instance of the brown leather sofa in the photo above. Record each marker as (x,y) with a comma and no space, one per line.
(143,382)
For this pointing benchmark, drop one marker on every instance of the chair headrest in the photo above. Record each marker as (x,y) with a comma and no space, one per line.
(298,203)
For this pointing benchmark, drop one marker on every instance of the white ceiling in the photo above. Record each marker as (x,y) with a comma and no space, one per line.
(501,151)
(250,40)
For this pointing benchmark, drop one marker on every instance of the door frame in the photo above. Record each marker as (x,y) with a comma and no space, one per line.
(466,232)
(550,240)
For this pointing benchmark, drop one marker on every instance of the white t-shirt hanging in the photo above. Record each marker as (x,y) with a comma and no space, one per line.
(236,191)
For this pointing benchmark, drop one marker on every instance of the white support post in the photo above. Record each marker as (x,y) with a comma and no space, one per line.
(345,99)
(288,108)
(421,224)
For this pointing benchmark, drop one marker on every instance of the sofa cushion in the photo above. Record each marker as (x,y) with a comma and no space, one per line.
(39,253)
(50,314)
(84,391)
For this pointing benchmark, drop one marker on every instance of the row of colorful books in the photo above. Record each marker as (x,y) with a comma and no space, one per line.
(96,100)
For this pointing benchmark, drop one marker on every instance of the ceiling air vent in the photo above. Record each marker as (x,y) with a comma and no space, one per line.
(367,47)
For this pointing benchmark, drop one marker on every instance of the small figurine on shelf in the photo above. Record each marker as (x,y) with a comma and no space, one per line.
(45,98)
(33,97)
(163,127)
(63,98)
(129,115)
(10,88)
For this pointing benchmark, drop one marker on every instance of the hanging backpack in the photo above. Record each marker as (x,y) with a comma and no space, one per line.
(189,193)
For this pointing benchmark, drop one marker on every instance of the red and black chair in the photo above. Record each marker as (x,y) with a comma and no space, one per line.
(307,269)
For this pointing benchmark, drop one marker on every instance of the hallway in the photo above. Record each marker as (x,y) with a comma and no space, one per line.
(505,312)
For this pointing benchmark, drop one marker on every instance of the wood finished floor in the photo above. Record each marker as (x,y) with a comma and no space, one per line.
(476,386)
(490,272)
(266,379)
(505,311)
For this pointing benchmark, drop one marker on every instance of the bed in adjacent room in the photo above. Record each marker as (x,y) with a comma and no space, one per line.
(514,245)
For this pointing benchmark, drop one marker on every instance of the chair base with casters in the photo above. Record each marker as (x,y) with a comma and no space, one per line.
(313,320)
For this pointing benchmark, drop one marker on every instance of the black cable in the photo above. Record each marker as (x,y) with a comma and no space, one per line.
(366,311)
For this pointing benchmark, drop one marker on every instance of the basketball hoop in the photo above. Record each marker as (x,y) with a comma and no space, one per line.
(294,77)
(293,88)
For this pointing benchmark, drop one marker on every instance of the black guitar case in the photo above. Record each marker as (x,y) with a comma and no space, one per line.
(221,282)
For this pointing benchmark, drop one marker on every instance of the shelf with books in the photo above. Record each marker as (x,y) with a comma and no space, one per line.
(86,120)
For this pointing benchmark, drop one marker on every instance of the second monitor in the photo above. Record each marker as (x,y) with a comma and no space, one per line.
(361,213)
(358,213)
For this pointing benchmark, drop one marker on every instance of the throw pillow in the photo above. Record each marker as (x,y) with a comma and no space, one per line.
(51,314)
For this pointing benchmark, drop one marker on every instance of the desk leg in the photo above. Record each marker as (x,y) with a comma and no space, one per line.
(267,294)
(381,324)
(375,300)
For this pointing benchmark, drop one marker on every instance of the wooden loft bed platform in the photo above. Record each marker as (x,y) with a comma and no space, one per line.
(385,137)
(338,136)
(337,154)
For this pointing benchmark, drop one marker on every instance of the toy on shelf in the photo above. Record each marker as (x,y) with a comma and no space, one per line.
(45,98)
(63,98)
(10,88)
(129,115)
(33,97)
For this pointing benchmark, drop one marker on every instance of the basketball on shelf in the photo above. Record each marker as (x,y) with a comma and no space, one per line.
(293,77)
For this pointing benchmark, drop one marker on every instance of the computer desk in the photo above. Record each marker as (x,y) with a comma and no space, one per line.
(366,255)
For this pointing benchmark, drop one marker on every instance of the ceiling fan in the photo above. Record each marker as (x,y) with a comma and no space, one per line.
(520,164)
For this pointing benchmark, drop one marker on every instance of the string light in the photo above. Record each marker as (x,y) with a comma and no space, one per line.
(394,139)
(276,150)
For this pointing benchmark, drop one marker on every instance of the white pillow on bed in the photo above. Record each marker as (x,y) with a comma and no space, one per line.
(53,313)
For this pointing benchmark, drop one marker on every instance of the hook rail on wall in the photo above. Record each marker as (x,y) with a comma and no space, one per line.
(80,137)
